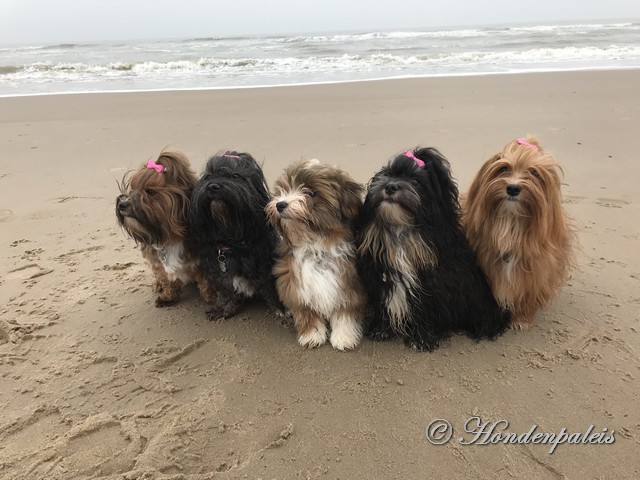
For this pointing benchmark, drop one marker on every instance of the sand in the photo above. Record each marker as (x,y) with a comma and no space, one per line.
(95,382)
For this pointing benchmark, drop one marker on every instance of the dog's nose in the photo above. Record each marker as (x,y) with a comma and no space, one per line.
(391,188)
(513,189)
(123,205)
(280,206)
(213,187)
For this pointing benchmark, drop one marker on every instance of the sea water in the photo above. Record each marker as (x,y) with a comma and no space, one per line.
(246,61)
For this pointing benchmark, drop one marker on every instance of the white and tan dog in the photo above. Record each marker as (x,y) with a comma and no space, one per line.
(314,208)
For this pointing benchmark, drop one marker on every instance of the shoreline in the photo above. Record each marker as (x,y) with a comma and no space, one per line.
(336,82)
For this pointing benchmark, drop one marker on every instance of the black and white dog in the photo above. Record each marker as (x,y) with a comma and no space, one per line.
(235,241)
(421,275)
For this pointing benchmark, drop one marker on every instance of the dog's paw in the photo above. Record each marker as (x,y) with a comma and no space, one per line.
(420,345)
(519,325)
(380,335)
(214,313)
(345,335)
(165,302)
(314,337)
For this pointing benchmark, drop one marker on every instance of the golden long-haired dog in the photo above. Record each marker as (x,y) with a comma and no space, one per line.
(314,209)
(515,222)
(153,208)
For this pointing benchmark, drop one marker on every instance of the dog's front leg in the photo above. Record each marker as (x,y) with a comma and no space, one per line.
(269,293)
(311,327)
(168,291)
(422,337)
(378,324)
(227,305)
(206,288)
(346,329)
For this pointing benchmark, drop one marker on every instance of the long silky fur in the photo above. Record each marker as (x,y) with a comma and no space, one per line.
(415,242)
(315,267)
(227,211)
(152,209)
(525,247)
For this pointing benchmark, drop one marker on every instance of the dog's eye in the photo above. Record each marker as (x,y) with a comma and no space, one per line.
(535,173)
(236,175)
(150,191)
(503,169)
(414,182)
(310,193)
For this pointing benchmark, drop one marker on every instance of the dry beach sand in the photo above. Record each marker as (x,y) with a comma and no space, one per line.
(97,383)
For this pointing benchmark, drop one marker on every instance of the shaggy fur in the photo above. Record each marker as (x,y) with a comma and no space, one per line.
(515,222)
(419,271)
(235,242)
(314,209)
(152,208)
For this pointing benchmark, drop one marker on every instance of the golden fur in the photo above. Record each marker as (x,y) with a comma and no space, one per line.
(314,209)
(524,244)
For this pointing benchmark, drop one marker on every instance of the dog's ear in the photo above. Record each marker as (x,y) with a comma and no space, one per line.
(350,195)
(439,173)
(481,178)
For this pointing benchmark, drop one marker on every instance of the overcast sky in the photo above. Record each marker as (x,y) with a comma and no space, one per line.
(52,21)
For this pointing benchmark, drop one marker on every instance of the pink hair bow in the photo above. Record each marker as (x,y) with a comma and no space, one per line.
(410,154)
(155,166)
(522,141)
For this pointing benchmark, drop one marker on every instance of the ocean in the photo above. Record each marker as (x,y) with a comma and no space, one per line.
(246,61)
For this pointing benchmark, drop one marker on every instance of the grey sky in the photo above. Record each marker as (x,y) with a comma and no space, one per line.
(49,21)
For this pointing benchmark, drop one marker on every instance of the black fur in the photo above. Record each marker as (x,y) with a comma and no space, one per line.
(237,241)
(453,295)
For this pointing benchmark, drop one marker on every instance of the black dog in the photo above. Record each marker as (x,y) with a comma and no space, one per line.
(234,240)
(419,270)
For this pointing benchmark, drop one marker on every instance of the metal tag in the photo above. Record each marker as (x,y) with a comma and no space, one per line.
(221,263)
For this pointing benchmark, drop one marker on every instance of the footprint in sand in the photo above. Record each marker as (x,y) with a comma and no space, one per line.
(5,215)
(573,199)
(68,199)
(15,243)
(27,272)
(4,332)
(69,257)
(611,202)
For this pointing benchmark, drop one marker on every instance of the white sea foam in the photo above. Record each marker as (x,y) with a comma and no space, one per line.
(251,61)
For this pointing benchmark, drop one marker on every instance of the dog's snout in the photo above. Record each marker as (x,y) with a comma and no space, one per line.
(391,188)
(513,189)
(123,205)
(213,187)
(280,206)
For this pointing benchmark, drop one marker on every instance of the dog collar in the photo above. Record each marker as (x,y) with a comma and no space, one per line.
(222,259)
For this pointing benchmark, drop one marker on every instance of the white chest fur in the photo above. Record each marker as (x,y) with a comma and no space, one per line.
(398,305)
(320,272)
(404,284)
(172,259)
(243,286)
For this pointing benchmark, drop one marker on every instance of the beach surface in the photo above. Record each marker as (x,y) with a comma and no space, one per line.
(95,382)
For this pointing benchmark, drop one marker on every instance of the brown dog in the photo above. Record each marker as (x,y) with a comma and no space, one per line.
(153,209)
(515,222)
